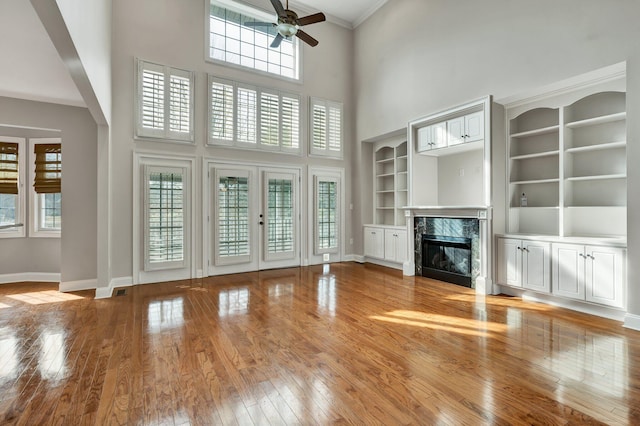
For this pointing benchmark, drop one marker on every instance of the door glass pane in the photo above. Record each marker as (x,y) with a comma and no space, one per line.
(326,215)
(280,216)
(233,216)
(165,217)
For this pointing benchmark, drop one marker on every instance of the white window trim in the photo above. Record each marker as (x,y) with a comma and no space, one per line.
(257,146)
(34,199)
(164,134)
(326,151)
(19,231)
(258,14)
(315,173)
(142,159)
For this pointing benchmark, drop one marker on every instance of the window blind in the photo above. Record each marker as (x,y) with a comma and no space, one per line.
(152,99)
(48,170)
(326,214)
(165,217)
(246,115)
(290,122)
(8,168)
(269,119)
(319,131)
(221,112)
(179,104)
(326,128)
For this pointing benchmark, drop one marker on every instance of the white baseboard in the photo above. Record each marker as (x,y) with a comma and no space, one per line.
(199,274)
(382,262)
(632,321)
(78,285)
(354,258)
(107,292)
(48,277)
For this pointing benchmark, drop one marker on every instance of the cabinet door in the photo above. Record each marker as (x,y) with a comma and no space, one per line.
(605,275)
(509,262)
(425,138)
(568,270)
(455,130)
(536,266)
(374,242)
(439,135)
(474,127)
(390,244)
(401,246)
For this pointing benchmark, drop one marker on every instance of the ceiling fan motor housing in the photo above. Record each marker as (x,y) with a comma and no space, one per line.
(287,24)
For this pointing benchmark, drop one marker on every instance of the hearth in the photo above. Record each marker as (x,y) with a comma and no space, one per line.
(447,258)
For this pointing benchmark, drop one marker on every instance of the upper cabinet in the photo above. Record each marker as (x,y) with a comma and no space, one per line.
(567,157)
(449,133)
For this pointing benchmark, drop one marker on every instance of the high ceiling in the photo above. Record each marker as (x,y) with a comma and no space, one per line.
(32,69)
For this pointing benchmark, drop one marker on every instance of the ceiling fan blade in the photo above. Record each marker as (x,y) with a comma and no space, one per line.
(259,24)
(276,41)
(312,19)
(307,38)
(277,5)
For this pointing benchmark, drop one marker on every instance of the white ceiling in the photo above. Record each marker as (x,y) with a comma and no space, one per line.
(30,67)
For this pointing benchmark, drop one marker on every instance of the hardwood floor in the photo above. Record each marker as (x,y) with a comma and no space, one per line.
(358,344)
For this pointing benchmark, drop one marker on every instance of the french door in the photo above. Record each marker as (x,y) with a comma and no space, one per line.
(254,218)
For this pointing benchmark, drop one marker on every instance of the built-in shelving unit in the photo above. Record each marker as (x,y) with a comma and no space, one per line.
(570,161)
(391,191)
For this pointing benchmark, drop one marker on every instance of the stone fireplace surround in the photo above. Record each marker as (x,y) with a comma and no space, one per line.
(472,222)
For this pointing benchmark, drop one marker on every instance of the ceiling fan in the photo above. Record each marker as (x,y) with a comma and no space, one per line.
(289,24)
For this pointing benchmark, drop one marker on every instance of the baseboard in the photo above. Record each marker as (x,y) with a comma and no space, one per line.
(355,258)
(78,285)
(49,277)
(107,292)
(632,321)
(383,262)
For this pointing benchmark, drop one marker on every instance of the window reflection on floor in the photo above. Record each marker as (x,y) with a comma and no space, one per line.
(8,356)
(233,302)
(52,356)
(166,314)
(327,293)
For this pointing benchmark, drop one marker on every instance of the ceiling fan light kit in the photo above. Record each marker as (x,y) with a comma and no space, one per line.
(289,24)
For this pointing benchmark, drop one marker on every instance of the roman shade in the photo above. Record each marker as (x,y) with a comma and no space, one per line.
(48,169)
(8,168)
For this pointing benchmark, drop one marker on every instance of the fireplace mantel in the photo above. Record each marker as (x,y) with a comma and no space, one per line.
(484,281)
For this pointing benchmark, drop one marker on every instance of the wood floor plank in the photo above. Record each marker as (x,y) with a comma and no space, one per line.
(358,344)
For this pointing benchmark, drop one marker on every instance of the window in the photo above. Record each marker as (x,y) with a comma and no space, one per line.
(46,193)
(326,128)
(12,199)
(252,117)
(326,215)
(232,42)
(165,102)
(233,216)
(164,218)
(280,211)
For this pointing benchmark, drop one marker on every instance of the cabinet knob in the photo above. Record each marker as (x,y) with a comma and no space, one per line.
(582,255)
(519,248)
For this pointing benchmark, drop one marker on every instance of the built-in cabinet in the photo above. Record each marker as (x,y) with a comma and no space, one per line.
(590,273)
(524,264)
(385,243)
(390,187)
(458,130)
(570,164)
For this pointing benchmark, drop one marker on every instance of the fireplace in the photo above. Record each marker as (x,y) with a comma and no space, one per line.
(447,259)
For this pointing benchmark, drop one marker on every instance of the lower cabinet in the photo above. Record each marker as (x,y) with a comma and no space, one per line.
(591,273)
(388,244)
(525,264)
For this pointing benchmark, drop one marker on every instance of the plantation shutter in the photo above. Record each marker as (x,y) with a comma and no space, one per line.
(290,122)
(221,112)
(269,119)
(335,129)
(8,168)
(48,170)
(179,104)
(246,116)
(319,127)
(152,97)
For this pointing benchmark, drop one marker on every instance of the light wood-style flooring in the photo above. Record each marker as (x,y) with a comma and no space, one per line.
(354,344)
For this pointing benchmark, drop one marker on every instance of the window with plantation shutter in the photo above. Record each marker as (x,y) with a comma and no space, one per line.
(164,217)
(253,117)
(326,128)
(165,102)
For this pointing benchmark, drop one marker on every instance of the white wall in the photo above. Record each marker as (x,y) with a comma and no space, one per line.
(171,32)
(450,52)
(460,181)
(76,256)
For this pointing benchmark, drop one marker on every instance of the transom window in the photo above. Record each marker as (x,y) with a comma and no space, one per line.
(252,117)
(233,42)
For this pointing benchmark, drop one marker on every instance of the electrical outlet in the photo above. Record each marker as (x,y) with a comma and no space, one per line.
(326,257)
(351,241)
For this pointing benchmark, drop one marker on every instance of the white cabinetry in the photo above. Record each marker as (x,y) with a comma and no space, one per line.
(374,242)
(524,264)
(432,137)
(395,245)
(385,243)
(461,128)
(391,189)
(468,128)
(591,273)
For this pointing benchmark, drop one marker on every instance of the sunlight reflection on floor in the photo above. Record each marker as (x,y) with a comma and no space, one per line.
(40,297)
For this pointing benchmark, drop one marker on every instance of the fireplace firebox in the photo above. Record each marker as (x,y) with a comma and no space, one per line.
(447,259)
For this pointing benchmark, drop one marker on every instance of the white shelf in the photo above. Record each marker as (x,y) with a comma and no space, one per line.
(535,181)
(537,207)
(402,157)
(610,145)
(597,177)
(536,155)
(385,160)
(598,120)
(388,191)
(535,132)
(385,175)
(385,208)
